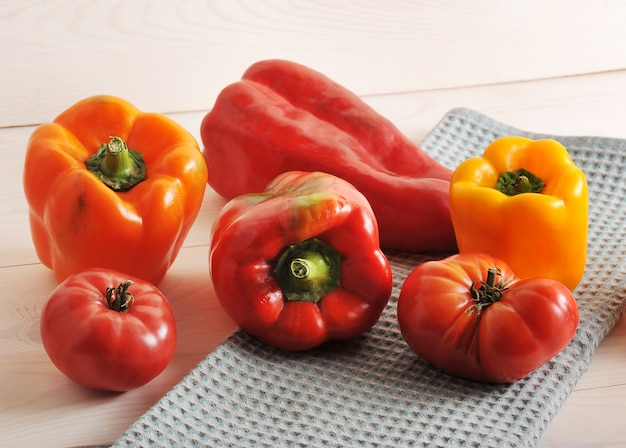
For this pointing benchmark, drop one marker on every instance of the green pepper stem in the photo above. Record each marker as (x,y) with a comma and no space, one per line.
(523,184)
(118,166)
(517,182)
(120,299)
(117,160)
(308,270)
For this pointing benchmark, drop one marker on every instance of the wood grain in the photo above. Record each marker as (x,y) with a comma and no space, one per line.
(174,56)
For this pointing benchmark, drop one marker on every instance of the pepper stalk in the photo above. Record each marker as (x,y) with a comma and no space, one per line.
(308,270)
(118,166)
(520,181)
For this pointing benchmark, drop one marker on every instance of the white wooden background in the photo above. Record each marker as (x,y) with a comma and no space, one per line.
(173,56)
(556,66)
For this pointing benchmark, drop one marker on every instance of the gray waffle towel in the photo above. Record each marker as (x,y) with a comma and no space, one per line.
(373,391)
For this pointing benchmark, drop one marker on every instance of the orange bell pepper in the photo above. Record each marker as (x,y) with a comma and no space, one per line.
(524,201)
(93,202)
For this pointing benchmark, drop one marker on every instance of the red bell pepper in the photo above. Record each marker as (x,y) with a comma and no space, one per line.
(283,116)
(300,263)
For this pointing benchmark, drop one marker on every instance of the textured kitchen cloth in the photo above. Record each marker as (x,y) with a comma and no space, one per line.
(373,391)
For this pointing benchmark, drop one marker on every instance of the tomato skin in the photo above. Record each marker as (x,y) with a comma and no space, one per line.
(505,341)
(101,348)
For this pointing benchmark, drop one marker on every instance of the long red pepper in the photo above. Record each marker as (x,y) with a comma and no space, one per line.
(283,116)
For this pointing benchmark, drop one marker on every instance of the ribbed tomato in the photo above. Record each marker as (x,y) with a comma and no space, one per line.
(107,330)
(470,316)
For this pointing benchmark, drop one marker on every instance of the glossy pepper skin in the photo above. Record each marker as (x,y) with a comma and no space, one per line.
(300,263)
(283,116)
(540,230)
(77,221)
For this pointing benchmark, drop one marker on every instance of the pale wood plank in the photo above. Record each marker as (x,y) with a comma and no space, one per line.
(608,367)
(176,56)
(591,418)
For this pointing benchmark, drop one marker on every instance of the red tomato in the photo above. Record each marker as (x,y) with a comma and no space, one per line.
(497,333)
(114,346)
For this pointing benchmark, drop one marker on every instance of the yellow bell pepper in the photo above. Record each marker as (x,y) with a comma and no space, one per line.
(524,201)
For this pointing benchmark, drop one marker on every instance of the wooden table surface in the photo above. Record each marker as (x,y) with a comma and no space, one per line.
(553,66)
